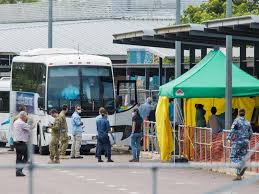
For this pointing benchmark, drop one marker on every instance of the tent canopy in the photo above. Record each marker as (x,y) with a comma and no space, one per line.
(207,79)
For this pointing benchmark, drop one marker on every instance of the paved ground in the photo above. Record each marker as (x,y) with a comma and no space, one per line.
(100,181)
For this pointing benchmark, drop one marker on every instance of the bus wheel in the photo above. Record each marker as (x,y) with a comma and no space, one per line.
(43,150)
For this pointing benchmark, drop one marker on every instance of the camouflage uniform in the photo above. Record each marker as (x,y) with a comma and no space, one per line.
(63,134)
(240,135)
(55,137)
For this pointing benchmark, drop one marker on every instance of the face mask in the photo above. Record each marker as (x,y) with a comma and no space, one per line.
(133,114)
(79,111)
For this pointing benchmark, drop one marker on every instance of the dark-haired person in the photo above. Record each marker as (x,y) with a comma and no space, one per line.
(214,122)
(200,116)
(136,134)
(63,132)
(103,141)
(240,135)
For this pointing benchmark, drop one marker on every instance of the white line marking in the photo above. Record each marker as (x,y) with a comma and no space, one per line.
(99,182)
(122,189)
(91,179)
(133,193)
(111,186)
(179,183)
(81,177)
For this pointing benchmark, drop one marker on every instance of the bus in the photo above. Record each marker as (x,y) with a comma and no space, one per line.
(4,110)
(45,79)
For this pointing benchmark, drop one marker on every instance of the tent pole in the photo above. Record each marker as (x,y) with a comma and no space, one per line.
(228,113)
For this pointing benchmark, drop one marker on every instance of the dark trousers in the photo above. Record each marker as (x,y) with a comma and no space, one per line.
(21,155)
(103,143)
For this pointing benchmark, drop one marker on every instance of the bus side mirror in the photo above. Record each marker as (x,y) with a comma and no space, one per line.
(41,102)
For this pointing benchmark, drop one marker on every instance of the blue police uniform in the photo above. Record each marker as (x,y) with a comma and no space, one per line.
(240,135)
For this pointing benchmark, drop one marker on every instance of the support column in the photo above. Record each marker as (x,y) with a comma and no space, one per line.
(203,52)
(50,25)
(192,57)
(228,91)
(182,61)
(160,71)
(256,60)
(243,58)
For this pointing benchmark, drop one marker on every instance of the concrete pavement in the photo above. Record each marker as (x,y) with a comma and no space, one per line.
(100,181)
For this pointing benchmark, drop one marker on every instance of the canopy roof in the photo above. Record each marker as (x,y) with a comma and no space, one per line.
(207,79)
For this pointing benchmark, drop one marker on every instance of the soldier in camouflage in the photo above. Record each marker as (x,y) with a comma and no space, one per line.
(63,133)
(55,137)
(240,135)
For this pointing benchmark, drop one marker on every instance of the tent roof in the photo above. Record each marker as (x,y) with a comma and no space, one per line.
(207,79)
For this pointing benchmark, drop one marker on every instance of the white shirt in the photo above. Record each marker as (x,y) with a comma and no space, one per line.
(21,130)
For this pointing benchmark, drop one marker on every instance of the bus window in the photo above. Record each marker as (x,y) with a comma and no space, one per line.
(126,95)
(4,102)
(29,77)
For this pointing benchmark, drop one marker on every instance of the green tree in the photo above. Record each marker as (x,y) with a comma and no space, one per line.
(216,9)
(16,1)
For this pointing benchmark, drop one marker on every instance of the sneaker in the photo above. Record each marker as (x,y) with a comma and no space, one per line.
(133,160)
(73,157)
(243,171)
(79,157)
(238,178)
(20,174)
(110,160)
(100,160)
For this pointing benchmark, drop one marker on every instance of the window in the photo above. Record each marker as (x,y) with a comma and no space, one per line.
(88,86)
(4,102)
(29,77)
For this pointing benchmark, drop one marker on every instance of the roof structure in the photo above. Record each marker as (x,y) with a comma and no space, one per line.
(89,36)
(210,34)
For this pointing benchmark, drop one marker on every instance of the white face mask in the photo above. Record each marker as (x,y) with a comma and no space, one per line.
(133,114)
(79,111)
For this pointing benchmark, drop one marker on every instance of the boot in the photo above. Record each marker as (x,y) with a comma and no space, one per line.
(238,178)
(51,161)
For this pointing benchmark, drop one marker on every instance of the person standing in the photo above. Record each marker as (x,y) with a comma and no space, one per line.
(144,109)
(21,137)
(240,135)
(103,141)
(55,137)
(63,133)
(136,134)
(214,122)
(77,131)
(200,116)
(11,140)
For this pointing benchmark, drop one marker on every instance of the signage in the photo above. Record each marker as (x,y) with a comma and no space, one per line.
(25,99)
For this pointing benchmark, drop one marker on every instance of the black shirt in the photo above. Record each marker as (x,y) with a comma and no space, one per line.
(138,126)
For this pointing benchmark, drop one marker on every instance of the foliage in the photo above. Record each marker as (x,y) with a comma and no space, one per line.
(216,9)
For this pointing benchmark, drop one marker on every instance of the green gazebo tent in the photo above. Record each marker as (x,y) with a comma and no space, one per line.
(207,79)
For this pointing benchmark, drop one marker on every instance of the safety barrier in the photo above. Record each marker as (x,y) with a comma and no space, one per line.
(150,142)
(202,145)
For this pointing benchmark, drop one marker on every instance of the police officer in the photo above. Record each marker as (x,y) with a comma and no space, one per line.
(63,133)
(55,137)
(240,135)
(103,141)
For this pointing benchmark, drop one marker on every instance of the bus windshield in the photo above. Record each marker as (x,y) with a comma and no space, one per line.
(88,86)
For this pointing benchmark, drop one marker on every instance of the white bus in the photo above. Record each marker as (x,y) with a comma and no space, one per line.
(4,110)
(43,79)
